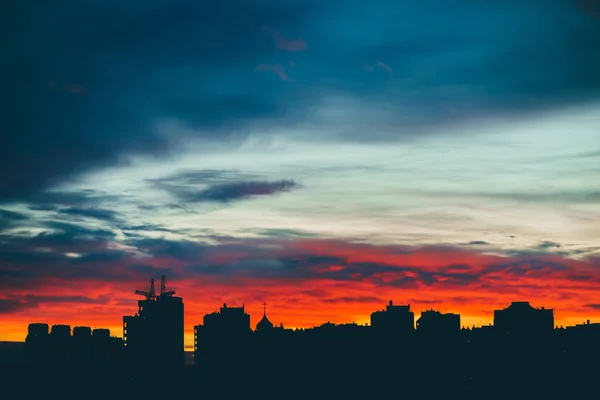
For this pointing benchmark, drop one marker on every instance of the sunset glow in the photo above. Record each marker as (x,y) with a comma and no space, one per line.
(272,151)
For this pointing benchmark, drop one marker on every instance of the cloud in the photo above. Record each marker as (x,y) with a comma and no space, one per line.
(28,302)
(382,66)
(386,68)
(227,192)
(98,213)
(305,281)
(585,196)
(8,306)
(51,244)
(364,299)
(46,200)
(182,182)
(201,177)
(150,62)
(290,259)
(44,140)
(283,233)
(276,69)
(283,43)
(10,218)
(548,245)
(368,67)
(11,215)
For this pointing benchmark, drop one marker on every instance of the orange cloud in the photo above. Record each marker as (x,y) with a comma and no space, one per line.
(305,283)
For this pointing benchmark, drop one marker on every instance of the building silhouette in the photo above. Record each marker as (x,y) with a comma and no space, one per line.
(155,334)
(516,357)
(84,348)
(394,320)
(433,323)
(223,336)
(37,343)
(521,319)
(82,345)
(264,325)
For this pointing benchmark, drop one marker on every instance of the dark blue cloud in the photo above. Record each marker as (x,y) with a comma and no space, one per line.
(84,83)
(283,233)
(10,218)
(98,213)
(548,245)
(179,250)
(227,192)
(21,303)
(8,215)
(220,186)
(50,245)
(9,306)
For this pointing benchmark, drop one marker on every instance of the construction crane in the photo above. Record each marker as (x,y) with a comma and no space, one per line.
(149,294)
(163,287)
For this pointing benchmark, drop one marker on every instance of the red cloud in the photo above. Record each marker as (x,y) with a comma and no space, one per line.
(283,43)
(305,283)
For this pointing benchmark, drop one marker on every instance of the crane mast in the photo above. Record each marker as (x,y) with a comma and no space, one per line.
(163,287)
(149,294)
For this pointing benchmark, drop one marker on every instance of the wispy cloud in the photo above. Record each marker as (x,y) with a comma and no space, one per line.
(276,69)
(227,192)
(97,213)
(305,279)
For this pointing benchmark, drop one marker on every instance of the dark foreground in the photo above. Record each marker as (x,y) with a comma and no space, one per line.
(523,368)
(399,379)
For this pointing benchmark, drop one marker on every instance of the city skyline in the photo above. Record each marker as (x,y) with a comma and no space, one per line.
(151,294)
(322,156)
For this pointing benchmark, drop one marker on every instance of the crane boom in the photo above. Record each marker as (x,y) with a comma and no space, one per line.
(149,294)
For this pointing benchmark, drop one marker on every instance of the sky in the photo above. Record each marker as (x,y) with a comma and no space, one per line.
(323,157)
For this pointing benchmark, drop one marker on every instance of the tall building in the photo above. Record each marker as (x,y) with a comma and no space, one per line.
(435,323)
(396,320)
(155,333)
(520,318)
(223,335)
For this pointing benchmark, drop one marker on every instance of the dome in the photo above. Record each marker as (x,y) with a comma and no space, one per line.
(264,324)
